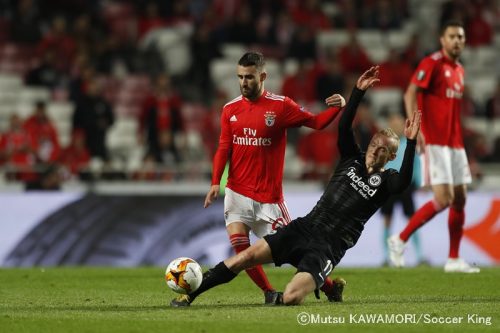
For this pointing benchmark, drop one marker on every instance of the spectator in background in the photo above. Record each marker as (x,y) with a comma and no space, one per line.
(493,104)
(303,44)
(309,13)
(115,57)
(86,33)
(384,15)
(211,123)
(26,23)
(395,72)
(43,135)
(319,152)
(242,28)
(284,30)
(179,13)
(150,19)
(332,79)
(352,56)
(79,84)
(413,51)
(94,116)
(469,106)
(76,157)
(47,73)
(161,120)
(454,10)
(479,31)
(60,41)
(300,86)
(16,151)
(204,48)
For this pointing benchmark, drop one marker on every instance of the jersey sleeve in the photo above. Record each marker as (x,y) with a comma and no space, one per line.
(222,153)
(423,74)
(346,142)
(296,115)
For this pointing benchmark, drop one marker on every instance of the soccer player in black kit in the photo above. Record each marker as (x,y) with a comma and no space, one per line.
(316,243)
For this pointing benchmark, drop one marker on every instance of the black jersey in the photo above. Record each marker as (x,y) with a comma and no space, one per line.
(352,196)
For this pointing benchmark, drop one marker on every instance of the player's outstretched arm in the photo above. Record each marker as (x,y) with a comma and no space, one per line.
(335,102)
(346,143)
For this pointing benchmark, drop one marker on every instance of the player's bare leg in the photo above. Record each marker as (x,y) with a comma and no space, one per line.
(298,288)
(239,236)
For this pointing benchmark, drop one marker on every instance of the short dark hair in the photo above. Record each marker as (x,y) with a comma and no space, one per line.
(451,23)
(252,59)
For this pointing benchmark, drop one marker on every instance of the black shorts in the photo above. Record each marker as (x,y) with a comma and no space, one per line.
(406,200)
(295,244)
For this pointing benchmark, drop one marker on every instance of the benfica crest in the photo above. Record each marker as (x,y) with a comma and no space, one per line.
(269,116)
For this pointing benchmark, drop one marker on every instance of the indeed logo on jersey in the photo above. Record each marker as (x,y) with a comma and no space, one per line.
(250,138)
(359,185)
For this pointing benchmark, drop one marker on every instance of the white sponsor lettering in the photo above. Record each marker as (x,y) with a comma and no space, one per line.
(450,93)
(358,184)
(250,138)
(249,131)
(249,141)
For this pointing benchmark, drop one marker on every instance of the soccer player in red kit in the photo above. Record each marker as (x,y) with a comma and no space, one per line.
(436,89)
(253,139)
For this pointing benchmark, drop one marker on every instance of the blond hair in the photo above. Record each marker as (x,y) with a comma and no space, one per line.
(389,133)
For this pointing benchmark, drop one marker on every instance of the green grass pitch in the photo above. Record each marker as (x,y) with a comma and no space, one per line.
(136,300)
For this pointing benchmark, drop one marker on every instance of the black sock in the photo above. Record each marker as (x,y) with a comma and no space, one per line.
(213,277)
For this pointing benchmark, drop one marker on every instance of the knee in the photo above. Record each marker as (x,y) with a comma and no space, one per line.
(292,297)
(444,200)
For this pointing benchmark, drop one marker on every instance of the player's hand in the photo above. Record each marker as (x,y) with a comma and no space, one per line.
(335,100)
(368,78)
(211,195)
(412,126)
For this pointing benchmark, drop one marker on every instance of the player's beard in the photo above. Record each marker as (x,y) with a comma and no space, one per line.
(251,92)
(455,51)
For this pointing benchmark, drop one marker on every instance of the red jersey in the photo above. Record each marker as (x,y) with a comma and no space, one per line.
(253,133)
(442,82)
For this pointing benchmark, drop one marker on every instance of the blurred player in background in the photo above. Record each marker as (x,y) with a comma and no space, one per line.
(316,243)
(396,122)
(436,89)
(253,139)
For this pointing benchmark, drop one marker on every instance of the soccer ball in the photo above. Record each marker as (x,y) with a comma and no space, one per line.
(183,275)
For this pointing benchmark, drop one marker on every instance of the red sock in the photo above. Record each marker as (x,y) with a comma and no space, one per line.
(327,287)
(241,242)
(456,219)
(421,216)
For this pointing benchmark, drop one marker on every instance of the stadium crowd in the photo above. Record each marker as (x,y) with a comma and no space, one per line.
(97,56)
